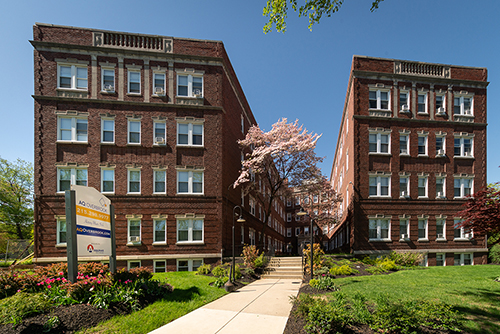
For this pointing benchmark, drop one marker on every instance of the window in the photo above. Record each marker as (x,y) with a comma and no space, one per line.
(404,229)
(422,103)
(134,231)
(422,145)
(440,181)
(189,265)
(440,109)
(68,176)
(189,182)
(134,82)
(462,147)
(288,202)
(160,181)
(190,134)
(107,130)
(404,104)
(251,203)
(134,181)
(440,259)
(190,230)
(403,144)
(251,236)
(379,99)
(61,231)
(460,232)
(160,235)
(189,85)
(440,146)
(422,186)
(403,186)
(159,137)
(108,80)
(297,200)
(297,231)
(379,186)
(158,83)
(160,266)
(463,259)
(379,229)
(288,232)
(134,131)
(242,124)
(133,264)
(379,143)
(107,180)
(72,77)
(462,187)
(440,229)
(422,229)
(72,129)
(242,234)
(462,105)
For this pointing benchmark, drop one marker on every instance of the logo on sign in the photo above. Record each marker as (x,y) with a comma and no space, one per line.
(90,248)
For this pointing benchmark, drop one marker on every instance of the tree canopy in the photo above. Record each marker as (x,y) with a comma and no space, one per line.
(16,198)
(277,11)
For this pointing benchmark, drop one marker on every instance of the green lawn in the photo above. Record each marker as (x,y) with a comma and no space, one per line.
(190,292)
(470,289)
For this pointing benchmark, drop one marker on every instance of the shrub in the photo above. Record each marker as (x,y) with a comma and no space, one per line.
(495,254)
(260,261)
(317,257)
(21,305)
(386,264)
(376,270)
(250,254)
(342,270)
(323,283)
(219,271)
(92,269)
(407,259)
(237,272)
(322,271)
(368,260)
(220,281)
(304,302)
(344,262)
(249,272)
(204,269)
(328,317)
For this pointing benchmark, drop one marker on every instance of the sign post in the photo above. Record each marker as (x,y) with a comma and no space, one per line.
(71,249)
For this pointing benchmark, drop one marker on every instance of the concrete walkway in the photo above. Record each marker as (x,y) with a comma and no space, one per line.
(261,307)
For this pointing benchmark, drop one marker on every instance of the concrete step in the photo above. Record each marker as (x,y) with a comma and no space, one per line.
(289,268)
(283,276)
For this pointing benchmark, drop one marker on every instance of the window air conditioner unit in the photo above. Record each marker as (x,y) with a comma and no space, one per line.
(197,92)
(405,108)
(440,111)
(440,194)
(440,236)
(159,91)
(404,236)
(134,239)
(467,154)
(109,88)
(404,151)
(159,140)
(468,236)
(440,152)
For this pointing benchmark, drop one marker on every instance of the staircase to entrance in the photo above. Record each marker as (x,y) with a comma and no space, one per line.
(284,267)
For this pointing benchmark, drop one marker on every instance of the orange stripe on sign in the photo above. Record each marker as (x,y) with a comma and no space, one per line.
(93,214)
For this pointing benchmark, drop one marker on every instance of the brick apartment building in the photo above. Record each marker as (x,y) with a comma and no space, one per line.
(411,146)
(152,122)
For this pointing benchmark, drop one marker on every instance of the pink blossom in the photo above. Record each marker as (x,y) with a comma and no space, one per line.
(48,286)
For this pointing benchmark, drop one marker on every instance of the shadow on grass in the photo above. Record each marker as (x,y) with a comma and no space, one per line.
(483,295)
(182,295)
(485,320)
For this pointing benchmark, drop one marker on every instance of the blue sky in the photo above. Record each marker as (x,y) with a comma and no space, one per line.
(299,74)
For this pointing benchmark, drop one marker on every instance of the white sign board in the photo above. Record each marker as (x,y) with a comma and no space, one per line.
(93,224)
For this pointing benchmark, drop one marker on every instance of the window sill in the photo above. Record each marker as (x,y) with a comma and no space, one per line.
(133,194)
(423,240)
(422,156)
(441,198)
(159,194)
(158,96)
(405,111)
(384,110)
(379,240)
(159,145)
(72,142)
(440,155)
(187,243)
(133,144)
(107,193)
(108,92)
(468,157)
(108,143)
(190,97)
(405,240)
(380,154)
(441,240)
(134,244)
(189,194)
(462,239)
(423,113)
(423,197)
(190,146)
(80,90)
(375,196)
(61,245)
(404,197)
(404,155)
(134,94)
(163,243)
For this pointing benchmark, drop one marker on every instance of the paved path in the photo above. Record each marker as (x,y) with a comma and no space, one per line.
(261,307)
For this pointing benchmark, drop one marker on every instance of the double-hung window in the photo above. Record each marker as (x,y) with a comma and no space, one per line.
(422,145)
(404,144)
(462,186)
(380,186)
(61,231)
(160,226)
(134,131)
(160,266)
(422,186)
(379,99)
(189,265)
(462,105)
(379,142)
(134,82)
(72,129)
(189,85)
(379,229)
(190,182)
(251,203)
(404,101)
(461,233)
(107,130)
(404,229)
(422,103)
(108,79)
(422,230)
(107,180)
(134,231)
(190,134)
(158,83)
(190,230)
(440,145)
(440,187)
(404,185)
(72,76)
(440,259)
(463,259)
(160,130)
(463,146)
(68,176)
(160,181)
(289,217)
(440,104)
(440,229)
(134,181)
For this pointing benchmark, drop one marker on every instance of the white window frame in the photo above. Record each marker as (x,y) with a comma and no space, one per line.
(425,104)
(129,237)
(297,231)
(404,150)
(129,171)
(406,223)
(425,223)
(401,105)
(443,145)
(129,81)
(158,242)
(164,181)
(289,217)
(443,222)
(462,180)
(378,181)
(443,96)
(444,259)
(251,236)
(74,129)
(103,121)
(191,134)
(404,193)
(155,266)
(378,223)
(190,174)
(252,203)
(103,85)
(379,143)
(60,223)
(379,99)
(163,126)
(102,180)
(190,90)
(129,131)
(74,76)
(130,262)
(73,177)
(464,235)
(462,259)
(164,88)
(191,264)
(463,152)
(425,146)
(425,187)
(190,239)
(443,193)
(461,105)
(288,232)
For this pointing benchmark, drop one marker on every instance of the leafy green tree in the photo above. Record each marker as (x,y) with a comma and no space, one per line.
(277,10)
(16,198)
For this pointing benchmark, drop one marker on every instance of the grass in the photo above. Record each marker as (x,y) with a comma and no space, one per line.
(469,289)
(190,292)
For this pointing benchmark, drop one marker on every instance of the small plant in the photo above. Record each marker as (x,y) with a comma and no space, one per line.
(329,317)
(324,283)
(376,270)
(204,269)
(406,259)
(14,309)
(237,272)
(342,270)
(250,255)
(219,271)
(249,272)
(322,271)
(51,323)
(317,257)
(220,281)
(260,261)
(387,264)
(495,254)
(368,260)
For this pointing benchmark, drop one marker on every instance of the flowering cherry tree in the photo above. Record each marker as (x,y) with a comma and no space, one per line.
(280,162)
(482,212)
